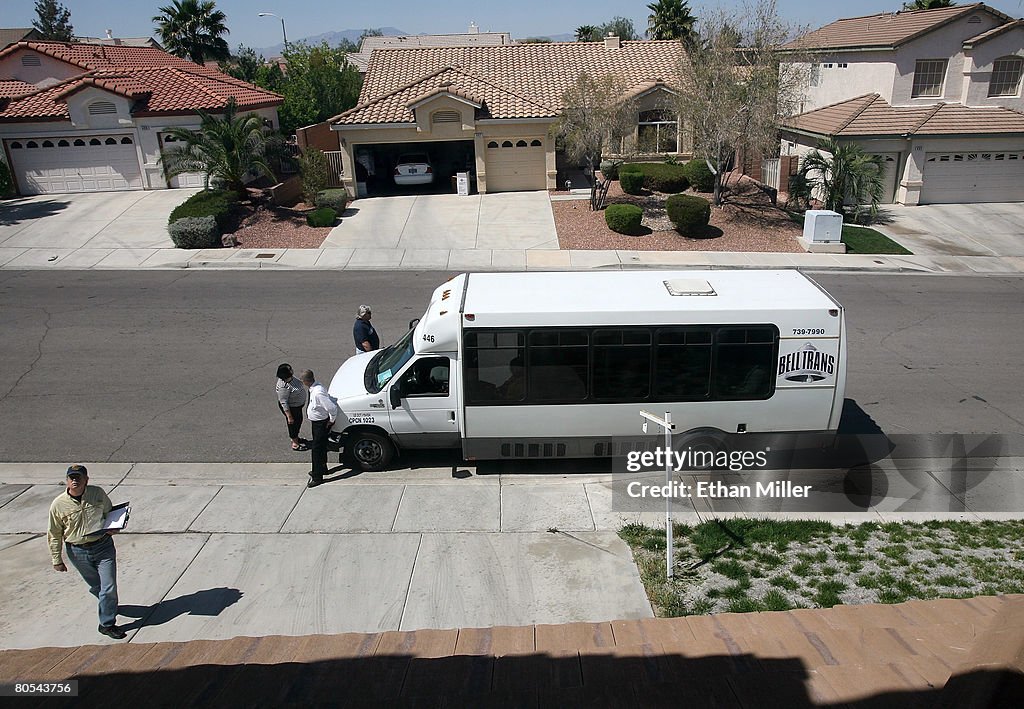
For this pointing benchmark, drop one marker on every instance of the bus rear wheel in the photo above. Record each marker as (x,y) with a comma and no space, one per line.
(368,451)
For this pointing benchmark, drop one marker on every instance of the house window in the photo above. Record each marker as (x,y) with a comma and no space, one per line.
(111,141)
(102,108)
(63,144)
(506,144)
(492,144)
(95,141)
(126,141)
(445,117)
(929,75)
(521,144)
(79,142)
(47,143)
(1006,73)
(658,132)
(536,143)
(15,145)
(815,74)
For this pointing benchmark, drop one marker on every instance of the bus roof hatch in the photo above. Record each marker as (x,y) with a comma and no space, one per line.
(689,286)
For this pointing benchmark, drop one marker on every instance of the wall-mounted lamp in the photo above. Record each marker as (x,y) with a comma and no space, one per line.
(343,142)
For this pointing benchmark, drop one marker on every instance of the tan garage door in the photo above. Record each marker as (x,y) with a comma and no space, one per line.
(515,164)
(963,178)
(106,163)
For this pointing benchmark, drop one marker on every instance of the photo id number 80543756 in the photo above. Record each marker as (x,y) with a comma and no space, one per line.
(808,331)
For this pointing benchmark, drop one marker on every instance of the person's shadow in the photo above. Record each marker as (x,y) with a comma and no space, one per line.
(210,602)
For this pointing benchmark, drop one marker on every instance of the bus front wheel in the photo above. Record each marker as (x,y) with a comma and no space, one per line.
(368,451)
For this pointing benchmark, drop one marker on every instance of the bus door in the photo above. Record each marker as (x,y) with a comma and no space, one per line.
(423,412)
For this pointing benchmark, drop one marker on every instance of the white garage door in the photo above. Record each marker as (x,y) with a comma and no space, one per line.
(516,164)
(105,163)
(952,178)
(185,179)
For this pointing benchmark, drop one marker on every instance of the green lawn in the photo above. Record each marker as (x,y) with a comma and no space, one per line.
(862,240)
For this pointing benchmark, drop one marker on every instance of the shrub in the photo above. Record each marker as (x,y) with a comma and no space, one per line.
(325,216)
(335,199)
(632,182)
(610,169)
(662,177)
(6,183)
(195,232)
(690,215)
(219,204)
(700,175)
(313,169)
(624,218)
(630,167)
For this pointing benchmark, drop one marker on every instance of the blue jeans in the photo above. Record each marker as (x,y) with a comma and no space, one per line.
(98,566)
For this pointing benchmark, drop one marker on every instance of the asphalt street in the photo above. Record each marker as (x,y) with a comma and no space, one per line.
(169,366)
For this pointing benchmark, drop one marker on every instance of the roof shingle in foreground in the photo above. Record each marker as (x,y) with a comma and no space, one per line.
(871,115)
(159,83)
(948,653)
(512,81)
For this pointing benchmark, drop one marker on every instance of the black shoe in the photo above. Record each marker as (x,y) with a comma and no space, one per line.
(112,631)
(313,482)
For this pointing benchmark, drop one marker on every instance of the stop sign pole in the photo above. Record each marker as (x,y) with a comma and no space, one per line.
(665,423)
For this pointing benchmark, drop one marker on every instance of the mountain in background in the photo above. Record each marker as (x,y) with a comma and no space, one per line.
(333,39)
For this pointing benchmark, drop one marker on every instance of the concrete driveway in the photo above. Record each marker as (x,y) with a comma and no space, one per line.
(98,220)
(508,220)
(957,229)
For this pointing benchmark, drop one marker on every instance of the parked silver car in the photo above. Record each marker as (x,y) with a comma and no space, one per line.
(414,169)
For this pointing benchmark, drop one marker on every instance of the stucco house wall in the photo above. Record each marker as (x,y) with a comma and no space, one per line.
(50,70)
(865,73)
(978,72)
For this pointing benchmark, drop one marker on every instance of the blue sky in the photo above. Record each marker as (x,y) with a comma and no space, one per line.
(523,18)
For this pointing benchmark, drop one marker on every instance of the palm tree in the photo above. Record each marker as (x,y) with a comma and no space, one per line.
(587,33)
(670,19)
(192,29)
(847,175)
(927,4)
(227,148)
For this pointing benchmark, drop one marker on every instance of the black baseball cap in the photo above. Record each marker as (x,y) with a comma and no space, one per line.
(76,470)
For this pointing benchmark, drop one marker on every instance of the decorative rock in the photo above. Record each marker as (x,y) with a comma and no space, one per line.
(228,240)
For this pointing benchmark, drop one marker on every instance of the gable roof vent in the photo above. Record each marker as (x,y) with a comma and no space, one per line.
(102,108)
(973,20)
(30,60)
(445,117)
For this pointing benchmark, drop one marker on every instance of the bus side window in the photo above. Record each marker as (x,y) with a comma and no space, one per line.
(743,360)
(557,365)
(490,358)
(682,366)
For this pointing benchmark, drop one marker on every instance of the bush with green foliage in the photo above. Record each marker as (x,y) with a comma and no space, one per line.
(700,176)
(663,177)
(313,169)
(630,167)
(631,182)
(610,169)
(325,216)
(624,218)
(6,183)
(222,205)
(195,233)
(335,199)
(689,214)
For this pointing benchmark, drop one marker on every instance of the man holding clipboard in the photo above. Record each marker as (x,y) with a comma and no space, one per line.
(79,522)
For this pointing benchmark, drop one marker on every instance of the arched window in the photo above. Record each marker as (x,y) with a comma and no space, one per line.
(102,108)
(15,145)
(95,141)
(1006,73)
(63,143)
(521,144)
(31,144)
(492,144)
(445,117)
(536,143)
(506,144)
(126,140)
(47,143)
(79,142)
(111,141)
(658,132)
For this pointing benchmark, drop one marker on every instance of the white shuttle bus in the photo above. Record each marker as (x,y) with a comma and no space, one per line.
(556,365)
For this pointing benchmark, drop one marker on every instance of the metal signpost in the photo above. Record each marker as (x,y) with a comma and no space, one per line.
(665,423)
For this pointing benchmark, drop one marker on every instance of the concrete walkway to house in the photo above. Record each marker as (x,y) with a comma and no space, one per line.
(500,232)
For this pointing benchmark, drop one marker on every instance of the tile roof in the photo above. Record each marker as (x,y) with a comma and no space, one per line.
(995,31)
(886,29)
(512,81)
(10,35)
(13,87)
(361,59)
(870,115)
(157,81)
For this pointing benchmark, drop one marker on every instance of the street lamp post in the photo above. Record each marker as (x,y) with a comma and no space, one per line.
(283,32)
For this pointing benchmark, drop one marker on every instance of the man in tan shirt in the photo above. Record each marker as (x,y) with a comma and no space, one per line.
(74,515)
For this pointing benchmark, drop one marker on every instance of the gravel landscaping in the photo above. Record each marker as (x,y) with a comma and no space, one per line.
(278,228)
(743,565)
(746,222)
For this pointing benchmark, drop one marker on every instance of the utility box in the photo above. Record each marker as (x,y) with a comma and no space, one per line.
(822,226)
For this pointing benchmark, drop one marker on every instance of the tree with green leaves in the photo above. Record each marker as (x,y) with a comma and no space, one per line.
(736,100)
(321,83)
(534,40)
(193,29)
(843,174)
(53,21)
(927,4)
(618,27)
(248,66)
(670,19)
(227,148)
(588,33)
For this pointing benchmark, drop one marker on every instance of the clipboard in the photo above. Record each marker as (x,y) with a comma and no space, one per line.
(114,520)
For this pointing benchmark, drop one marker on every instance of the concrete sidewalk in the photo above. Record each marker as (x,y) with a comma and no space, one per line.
(247,549)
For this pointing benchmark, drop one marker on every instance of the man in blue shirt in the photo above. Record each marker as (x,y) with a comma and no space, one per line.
(363,333)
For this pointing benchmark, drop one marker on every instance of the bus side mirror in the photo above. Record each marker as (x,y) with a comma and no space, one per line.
(413,323)
(396,396)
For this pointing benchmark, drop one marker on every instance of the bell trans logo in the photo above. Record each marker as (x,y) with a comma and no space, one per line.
(807,364)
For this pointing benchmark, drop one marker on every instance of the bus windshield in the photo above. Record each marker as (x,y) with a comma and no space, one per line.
(387,363)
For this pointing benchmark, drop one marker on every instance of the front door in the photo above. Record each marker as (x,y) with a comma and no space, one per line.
(425,417)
